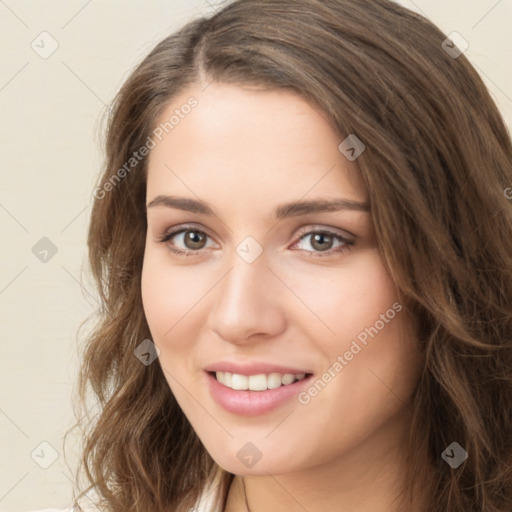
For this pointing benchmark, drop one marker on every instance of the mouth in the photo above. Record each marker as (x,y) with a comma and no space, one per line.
(256,394)
(258,382)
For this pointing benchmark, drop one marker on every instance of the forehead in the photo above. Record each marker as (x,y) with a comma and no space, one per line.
(249,146)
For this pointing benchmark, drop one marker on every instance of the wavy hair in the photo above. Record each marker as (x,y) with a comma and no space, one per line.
(437,166)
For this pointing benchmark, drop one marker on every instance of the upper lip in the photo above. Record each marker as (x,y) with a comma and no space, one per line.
(253,368)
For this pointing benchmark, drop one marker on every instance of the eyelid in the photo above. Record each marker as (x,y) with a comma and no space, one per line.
(347,235)
(184,227)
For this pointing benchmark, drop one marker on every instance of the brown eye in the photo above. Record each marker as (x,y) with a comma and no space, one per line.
(194,239)
(321,241)
(185,241)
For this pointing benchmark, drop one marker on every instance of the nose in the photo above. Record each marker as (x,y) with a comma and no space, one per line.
(247,303)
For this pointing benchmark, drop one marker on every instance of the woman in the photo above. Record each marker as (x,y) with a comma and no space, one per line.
(301,239)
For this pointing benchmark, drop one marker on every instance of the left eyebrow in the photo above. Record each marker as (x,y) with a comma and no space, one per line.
(291,209)
(296,208)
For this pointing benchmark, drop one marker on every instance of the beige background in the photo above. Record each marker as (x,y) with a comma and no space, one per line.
(50,155)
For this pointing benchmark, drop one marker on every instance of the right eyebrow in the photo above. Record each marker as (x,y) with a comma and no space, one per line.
(182,203)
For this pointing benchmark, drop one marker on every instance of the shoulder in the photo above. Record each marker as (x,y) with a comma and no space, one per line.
(82,508)
(204,504)
(207,501)
(53,510)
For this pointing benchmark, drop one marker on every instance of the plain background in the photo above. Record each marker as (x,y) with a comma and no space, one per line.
(50,134)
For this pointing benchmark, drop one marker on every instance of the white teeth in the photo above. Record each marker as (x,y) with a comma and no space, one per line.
(259,382)
(274,380)
(239,381)
(288,378)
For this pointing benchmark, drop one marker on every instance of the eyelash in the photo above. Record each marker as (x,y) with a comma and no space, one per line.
(348,244)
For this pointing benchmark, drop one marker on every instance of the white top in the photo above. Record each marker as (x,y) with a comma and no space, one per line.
(203,504)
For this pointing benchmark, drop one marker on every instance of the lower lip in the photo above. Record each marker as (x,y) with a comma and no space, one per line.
(253,403)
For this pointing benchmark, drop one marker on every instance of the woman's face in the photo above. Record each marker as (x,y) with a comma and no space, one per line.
(272,287)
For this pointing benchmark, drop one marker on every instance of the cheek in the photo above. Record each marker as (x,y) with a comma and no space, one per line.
(168,294)
(167,297)
(165,306)
(371,294)
(352,298)
(369,315)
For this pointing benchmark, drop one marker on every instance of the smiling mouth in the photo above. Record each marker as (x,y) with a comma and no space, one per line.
(259,382)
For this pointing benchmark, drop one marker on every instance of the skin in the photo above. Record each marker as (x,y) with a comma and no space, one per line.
(244,152)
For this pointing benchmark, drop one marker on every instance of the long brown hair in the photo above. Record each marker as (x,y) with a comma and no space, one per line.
(436,165)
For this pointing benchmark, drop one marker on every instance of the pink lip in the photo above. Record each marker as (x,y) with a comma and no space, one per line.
(252,368)
(253,403)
